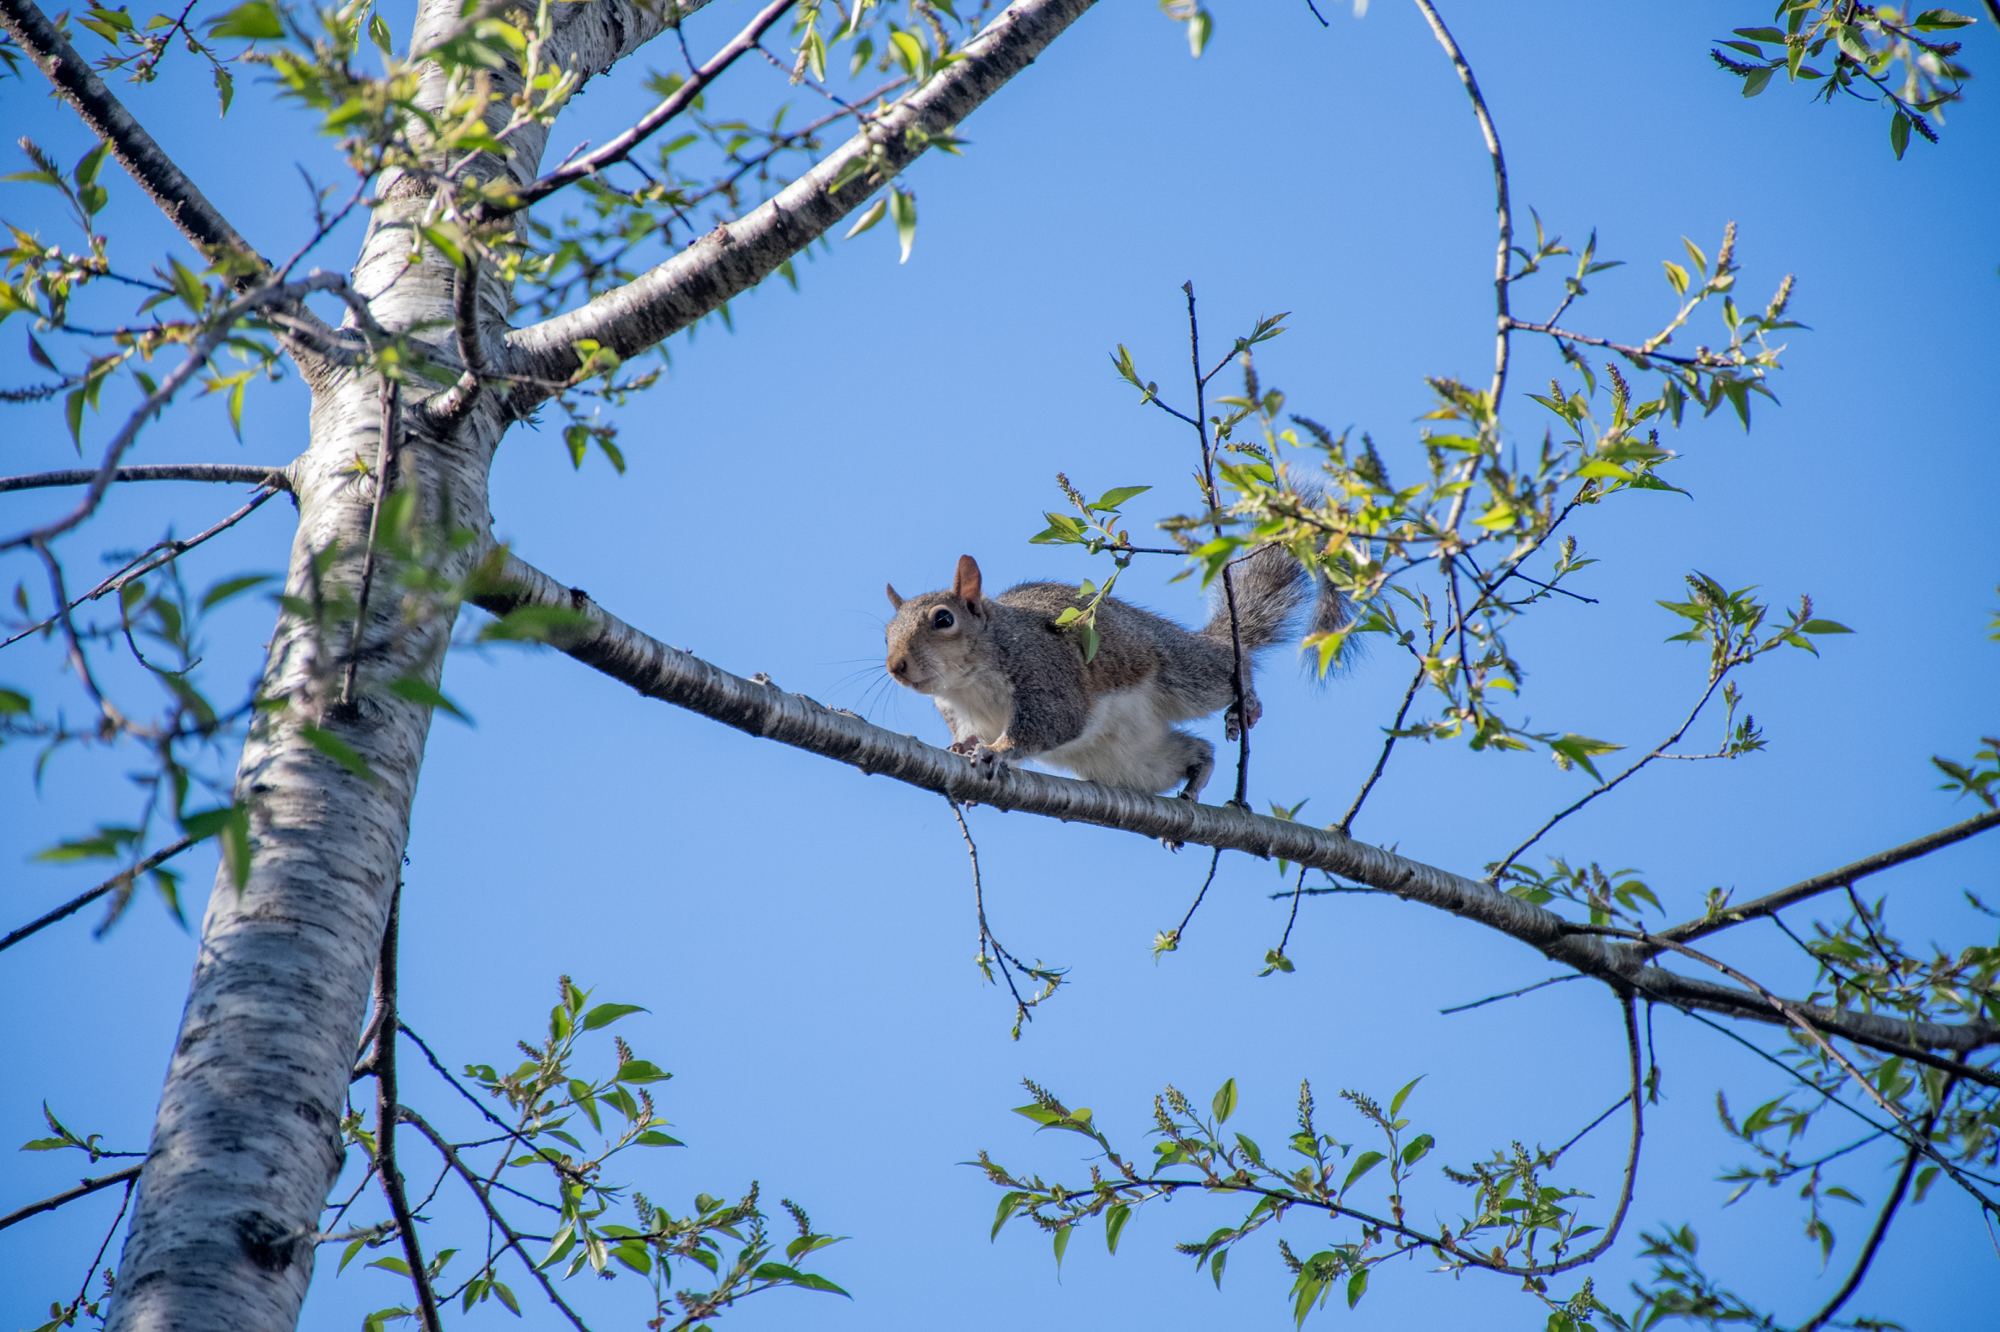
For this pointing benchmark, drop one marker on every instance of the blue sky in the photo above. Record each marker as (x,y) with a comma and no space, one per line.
(803,935)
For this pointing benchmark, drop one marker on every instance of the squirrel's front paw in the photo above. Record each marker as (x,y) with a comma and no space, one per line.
(985,762)
(968,746)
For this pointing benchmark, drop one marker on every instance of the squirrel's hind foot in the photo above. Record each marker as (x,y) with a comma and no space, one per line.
(1231,720)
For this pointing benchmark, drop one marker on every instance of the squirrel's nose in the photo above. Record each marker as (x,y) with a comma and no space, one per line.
(897,665)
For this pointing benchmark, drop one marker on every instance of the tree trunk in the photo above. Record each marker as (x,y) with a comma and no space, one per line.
(248,1143)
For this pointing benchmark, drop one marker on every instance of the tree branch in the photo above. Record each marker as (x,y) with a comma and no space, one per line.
(738,255)
(682,97)
(1772,903)
(112,884)
(385,1116)
(478,1187)
(143,159)
(1881,1229)
(83,1190)
(1492,137)
(228,473)
(609,645)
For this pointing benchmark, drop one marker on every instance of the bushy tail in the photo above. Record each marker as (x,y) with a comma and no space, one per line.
(1272,589)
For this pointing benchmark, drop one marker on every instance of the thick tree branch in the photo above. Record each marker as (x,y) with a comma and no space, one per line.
(83,1190)
(1772,903)
(737,256)
(229,473)
(607,644)
(143,159)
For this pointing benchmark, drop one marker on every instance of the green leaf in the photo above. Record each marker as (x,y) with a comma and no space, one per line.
(1932,19)
(230,587)
(640,1070)
(1199,28)
(1396,1101)
(1062,1244)
(904,208)
(1007,1205)
(534,624)
(1112,500)
(11,701)
(230,825)
(1215,1264)
(1824,627)
(425,694)
(655,1138)
(605,1014)
(378,32)
(867,219)
(396,1265)
(1114,1224)
(331,745)
(1357,1286)
(1899,134)
(1364,1163)
(257,20)
(1224,1103)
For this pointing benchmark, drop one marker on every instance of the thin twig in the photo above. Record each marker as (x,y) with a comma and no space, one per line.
(1840,878)
(1195,905)
(478,1187)
(1388,743)
(1881,1229)
(1604,787)
(392,416)
(1585,1130)
(155,557)
(385,1116)
(83,1190)
(114,883)
(617,149)
(1515,994)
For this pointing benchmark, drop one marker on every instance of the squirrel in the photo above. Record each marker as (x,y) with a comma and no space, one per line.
(1013,684)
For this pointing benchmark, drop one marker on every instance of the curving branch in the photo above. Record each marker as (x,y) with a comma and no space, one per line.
(1491,135)
(384,1069)
(607,644)
(143,159)
(228,473)
(738,255)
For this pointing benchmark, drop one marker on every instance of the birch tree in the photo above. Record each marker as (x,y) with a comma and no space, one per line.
(471,308)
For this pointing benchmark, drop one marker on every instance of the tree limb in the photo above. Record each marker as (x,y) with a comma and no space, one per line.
(143,159)
(385,1117)
(738,255)
(83,1190)
(229,473)
(609,645)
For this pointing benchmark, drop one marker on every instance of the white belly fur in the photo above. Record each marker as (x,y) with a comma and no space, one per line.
(1125,743)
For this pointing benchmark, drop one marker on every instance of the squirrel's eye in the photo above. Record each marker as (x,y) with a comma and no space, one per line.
(942,620)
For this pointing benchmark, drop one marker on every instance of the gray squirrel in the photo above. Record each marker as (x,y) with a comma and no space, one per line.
(1013,684)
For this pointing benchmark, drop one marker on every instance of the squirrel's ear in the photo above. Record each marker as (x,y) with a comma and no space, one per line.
(966,585)
(894,600)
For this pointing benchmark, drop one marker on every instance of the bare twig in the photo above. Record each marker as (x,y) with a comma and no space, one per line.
(1501,207)
(1603,787)
(479,1190)
(1388,743)
(385,1116)
(83,1190)
(166,552)
(1515,994)
(619,148)
(115,883)
(1840,878)
(385,450)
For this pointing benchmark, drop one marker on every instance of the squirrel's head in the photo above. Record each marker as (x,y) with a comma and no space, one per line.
(936,640)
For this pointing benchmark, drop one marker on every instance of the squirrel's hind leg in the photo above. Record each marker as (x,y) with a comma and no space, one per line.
(1200,756)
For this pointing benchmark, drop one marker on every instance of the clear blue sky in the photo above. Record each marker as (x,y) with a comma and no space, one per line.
(803,935)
